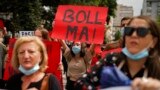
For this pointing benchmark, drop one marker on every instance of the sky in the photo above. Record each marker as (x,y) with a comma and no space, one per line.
(136,4)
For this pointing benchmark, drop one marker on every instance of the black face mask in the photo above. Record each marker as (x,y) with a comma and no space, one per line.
(141,31)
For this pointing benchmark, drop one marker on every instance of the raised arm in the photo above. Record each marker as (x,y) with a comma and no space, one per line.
(65,47)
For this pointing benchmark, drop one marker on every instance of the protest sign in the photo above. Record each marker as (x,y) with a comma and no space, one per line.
(80,23)
(26,33)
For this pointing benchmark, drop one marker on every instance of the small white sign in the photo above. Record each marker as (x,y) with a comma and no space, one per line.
(118,88)
(26,33)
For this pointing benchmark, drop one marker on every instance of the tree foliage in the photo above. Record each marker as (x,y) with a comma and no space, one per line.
(27,14)
(111,4)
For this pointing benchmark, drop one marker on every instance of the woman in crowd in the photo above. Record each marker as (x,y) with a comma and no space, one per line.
(42,33)
(78,60)
(30,61)
(140,54)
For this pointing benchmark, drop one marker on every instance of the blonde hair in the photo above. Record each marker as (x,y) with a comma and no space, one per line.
(42,49)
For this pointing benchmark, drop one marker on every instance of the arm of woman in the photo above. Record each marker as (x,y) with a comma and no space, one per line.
(89,53)
(66,50)
(64,45)
(145,84)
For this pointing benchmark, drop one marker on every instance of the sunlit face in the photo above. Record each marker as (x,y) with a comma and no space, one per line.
(38,34)
(29,55)
(135,43)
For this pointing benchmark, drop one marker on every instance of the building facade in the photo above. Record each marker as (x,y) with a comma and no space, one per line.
(122,11)
(151,8)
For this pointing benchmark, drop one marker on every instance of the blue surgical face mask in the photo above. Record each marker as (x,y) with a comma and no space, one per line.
(76,49)
(138,56)
(30,71)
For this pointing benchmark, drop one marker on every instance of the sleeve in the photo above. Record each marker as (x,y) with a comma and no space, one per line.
(68,55)
(54,84)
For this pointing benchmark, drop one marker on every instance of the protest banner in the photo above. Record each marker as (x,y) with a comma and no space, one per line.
(53,50)
(80,23)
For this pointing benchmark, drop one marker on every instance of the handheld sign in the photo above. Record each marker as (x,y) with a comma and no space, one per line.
(26,33)
(80,23)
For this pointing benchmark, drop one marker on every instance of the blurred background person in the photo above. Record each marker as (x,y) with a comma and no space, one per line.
(78,59)
(42,33)
(3,52)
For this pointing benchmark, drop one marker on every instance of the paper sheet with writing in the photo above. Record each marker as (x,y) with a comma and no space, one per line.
(118,88)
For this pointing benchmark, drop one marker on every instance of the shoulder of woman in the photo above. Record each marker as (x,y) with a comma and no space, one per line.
(54,83)
(51,77)
(15,78)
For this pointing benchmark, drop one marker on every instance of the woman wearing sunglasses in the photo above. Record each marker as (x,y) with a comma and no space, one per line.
(139,58)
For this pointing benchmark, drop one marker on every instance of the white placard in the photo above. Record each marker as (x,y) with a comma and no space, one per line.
(118,88)
(26,33)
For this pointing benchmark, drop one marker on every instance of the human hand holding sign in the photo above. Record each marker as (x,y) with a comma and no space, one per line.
(145,84)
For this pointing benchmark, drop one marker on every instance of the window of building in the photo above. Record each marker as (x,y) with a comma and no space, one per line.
(149,4)
(158,4)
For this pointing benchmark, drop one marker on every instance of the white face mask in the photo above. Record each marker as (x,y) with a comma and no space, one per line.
(141,54)
(137,56)
(76,49)
(30,71)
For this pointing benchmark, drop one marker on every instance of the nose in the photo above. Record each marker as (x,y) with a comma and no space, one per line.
(134,33)
(26,54)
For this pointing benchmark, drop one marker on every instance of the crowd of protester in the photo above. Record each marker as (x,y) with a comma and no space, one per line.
(132,61)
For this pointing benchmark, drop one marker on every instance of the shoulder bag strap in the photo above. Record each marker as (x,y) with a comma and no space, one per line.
(45,82)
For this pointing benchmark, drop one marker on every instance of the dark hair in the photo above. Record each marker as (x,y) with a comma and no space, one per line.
(6,39)
(45,33)
(124,18)
(153,61)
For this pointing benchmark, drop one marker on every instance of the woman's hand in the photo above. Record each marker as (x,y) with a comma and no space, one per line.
(60,67)
(145,84)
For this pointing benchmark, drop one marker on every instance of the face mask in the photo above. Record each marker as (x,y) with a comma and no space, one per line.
(76,49)
(30,71)
(138,56)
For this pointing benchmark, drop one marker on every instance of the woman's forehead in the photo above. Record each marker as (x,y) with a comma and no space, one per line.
(77,42)
(138,23)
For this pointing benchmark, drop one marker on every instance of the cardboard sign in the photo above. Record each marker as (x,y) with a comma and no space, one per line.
(26,33)
(80,23)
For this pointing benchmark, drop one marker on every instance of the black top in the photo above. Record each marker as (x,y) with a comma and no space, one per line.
(15,83)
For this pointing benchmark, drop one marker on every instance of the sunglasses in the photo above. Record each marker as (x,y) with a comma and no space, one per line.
(141,31)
